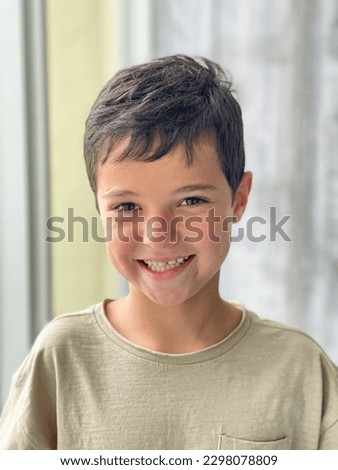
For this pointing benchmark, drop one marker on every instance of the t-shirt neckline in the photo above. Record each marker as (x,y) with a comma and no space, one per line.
(208,354)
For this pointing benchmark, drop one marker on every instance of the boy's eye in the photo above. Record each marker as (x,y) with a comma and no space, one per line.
(192,201)
(126,206)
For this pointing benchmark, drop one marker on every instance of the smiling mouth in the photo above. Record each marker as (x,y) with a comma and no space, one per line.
(162,266)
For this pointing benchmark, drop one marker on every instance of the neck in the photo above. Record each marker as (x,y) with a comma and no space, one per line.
(201,321)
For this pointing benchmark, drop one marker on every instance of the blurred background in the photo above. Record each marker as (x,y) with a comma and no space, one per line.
(55,56)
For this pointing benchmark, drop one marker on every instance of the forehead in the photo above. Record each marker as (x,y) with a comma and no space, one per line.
(162,174)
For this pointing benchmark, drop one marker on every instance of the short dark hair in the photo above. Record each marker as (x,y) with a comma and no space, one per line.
(160,104)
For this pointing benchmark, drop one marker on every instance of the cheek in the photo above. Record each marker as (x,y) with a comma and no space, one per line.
(114,253)
(212,247)
(216,251)
(222,232)
(118,243)
(120,233)
(120,257)
(215,236)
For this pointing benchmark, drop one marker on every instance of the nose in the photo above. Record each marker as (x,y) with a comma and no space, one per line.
(159,231)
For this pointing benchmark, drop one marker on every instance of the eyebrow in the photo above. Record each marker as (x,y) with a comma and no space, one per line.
(195,187)
(184,189)
(117,193)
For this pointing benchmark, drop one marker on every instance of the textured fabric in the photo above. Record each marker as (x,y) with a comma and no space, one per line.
(84,386)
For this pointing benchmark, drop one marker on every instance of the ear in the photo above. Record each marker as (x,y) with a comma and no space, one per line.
(242,195)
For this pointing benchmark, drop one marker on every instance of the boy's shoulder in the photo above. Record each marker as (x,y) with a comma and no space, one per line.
(57,342)
(285,339)
(68,329)
(267,326)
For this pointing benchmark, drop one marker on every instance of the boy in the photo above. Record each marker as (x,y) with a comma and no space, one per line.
(171,365)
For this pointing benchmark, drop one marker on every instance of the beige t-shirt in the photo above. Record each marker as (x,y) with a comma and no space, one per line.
(84,386)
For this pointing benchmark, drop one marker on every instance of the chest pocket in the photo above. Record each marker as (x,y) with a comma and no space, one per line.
(232,443)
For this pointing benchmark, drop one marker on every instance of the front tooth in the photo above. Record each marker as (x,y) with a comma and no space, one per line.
(159,266)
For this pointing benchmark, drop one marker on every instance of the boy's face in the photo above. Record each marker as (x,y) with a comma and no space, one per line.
(169,221)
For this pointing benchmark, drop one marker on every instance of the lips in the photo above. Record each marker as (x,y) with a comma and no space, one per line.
(166,269)
(165,265)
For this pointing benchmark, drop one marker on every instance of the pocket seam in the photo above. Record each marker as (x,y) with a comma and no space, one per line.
(223,438)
